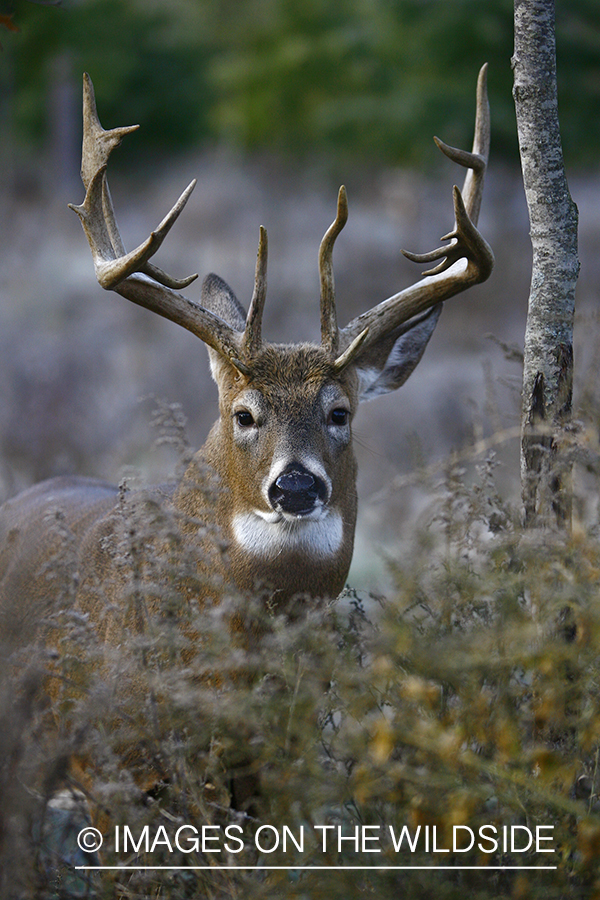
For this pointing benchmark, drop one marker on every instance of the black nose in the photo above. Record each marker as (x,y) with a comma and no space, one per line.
(296,491)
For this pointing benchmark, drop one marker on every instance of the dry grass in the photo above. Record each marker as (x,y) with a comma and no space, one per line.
(469,697)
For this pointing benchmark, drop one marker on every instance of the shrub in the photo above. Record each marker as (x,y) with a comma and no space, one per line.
(467,700)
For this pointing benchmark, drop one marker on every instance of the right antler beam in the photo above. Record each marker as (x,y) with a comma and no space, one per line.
(465,242)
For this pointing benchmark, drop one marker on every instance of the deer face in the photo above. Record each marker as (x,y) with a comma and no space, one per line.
(286,451)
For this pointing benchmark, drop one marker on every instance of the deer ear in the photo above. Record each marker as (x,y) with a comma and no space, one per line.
(385,366)
(218,298)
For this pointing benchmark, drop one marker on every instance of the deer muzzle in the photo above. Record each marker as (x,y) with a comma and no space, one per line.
(297,491)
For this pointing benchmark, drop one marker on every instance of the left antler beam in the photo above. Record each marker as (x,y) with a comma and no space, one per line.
(131,274)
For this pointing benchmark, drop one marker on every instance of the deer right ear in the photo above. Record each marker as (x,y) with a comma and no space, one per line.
(218,298)
(386,365)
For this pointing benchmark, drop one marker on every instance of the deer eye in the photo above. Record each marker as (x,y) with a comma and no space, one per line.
(244,418)
(339,416)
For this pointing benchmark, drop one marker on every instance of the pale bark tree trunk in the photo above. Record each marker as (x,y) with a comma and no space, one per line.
(548,367)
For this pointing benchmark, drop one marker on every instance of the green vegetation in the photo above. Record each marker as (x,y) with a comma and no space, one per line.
(370,81)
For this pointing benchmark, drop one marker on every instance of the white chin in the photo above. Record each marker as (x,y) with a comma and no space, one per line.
(318,535)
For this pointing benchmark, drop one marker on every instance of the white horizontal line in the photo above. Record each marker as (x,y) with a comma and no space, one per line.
(312,868)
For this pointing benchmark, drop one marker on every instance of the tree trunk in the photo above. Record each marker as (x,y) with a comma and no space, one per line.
(548,367)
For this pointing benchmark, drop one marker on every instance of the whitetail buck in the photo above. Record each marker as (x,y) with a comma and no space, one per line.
(276,477)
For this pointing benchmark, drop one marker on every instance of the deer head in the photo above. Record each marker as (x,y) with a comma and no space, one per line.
(282,447)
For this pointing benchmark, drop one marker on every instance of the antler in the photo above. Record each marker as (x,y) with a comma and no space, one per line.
(252,339)
(135,278)
(329,327)
(131,274)
(465,242)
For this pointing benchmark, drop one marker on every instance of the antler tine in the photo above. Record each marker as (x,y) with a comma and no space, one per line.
(110,268)
(98,144)
(329,326)
(476,161)
(469,203)
(252,340)
(130,274)
(466,243)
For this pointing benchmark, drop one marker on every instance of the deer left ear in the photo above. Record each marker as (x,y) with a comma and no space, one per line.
(385,366)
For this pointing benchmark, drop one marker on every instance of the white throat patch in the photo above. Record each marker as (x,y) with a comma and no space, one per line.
(272,536)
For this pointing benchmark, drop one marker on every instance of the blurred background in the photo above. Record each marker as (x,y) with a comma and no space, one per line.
(272,104)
